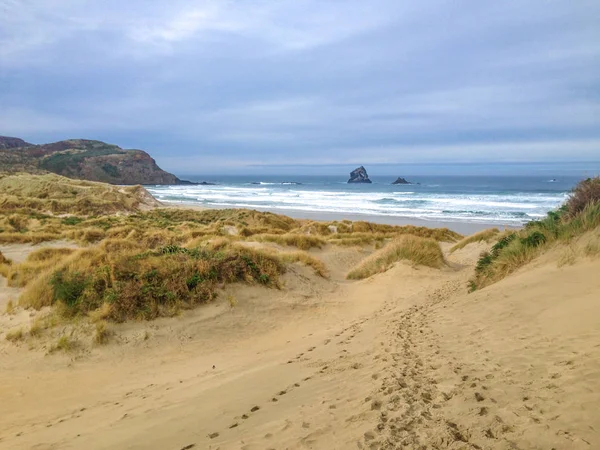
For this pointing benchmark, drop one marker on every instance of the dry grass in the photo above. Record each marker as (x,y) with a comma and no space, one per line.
(19,275)
(36,329)
(59,195)
(419,251)
(64,344)
(482,236)
(592,248)
(301,241)
(567,257)
(307,259)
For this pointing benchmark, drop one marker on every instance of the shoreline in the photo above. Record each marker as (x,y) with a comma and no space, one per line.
(465,228)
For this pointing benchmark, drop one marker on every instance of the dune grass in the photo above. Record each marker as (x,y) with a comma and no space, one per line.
(516,249)
(417,250)
(481,236)
(140,261)
(59,195)
(301,241)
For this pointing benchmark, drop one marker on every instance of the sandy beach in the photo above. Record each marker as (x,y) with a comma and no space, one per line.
(403,359)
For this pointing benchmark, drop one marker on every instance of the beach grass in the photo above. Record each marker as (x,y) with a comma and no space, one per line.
(482,236)
(417,250)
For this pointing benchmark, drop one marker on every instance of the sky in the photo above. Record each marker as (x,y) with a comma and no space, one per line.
(227,86)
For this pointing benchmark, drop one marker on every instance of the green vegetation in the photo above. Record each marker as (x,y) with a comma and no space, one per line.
(579,214)
(418,250)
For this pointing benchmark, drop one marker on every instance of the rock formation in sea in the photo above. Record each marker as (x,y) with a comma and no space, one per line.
(401,180)
(359,175)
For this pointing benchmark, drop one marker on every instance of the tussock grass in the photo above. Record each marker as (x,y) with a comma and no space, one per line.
(418,250)
(102,333)
(18,275)
(86,235)
(5,264)
(592,248)
(36,329)
(482,236)
(64,344)
(15,335)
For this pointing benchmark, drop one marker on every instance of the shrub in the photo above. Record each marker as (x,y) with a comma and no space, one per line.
(68,287)
(585,193)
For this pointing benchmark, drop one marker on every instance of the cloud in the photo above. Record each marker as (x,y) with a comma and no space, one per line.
(232,82)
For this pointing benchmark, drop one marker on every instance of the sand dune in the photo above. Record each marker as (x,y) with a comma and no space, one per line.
(404,359)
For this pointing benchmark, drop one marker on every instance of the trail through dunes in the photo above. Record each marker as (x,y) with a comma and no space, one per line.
(405,359)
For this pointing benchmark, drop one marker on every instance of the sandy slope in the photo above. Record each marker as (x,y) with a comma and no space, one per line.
(405,359)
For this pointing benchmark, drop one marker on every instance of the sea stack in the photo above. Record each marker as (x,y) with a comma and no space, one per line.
(401,180)
(359,175)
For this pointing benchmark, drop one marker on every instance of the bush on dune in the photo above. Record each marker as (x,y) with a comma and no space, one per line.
(579,214)
(587,192)
(138,284)
(417,250)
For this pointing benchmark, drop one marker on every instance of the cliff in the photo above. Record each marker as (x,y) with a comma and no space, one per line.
(84,159)
(359,175)
(12,142)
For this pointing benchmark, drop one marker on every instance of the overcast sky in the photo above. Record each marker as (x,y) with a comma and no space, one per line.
(218,85)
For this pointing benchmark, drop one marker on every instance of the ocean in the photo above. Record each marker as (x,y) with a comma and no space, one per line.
(509,200)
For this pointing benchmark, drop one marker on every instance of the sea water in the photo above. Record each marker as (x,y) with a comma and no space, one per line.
(493,198)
